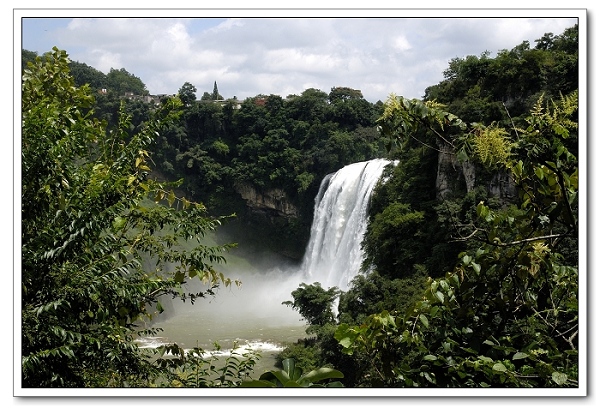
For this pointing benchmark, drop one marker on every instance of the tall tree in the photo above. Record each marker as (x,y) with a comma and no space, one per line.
(27,56)
(215,93)
(187,94)
(121,82)
(84,74)
(344,93)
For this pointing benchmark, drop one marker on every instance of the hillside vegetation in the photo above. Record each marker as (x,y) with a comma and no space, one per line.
(470,276)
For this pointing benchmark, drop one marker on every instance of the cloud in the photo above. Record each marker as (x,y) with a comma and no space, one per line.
(298,60)
(251,56)
(226,25)
(401,43)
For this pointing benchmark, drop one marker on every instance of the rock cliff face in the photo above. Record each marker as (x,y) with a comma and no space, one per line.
(454,176)
(271,204)
(272,219)
(502,186)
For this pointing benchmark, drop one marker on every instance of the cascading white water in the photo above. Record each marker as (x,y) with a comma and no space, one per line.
(334,254)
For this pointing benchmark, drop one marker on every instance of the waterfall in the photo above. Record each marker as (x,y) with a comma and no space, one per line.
(253,314)
(334,254)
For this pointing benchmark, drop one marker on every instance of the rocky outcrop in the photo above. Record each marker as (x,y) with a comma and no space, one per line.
(273,221)
(271,204)
(502,186)
(454,176)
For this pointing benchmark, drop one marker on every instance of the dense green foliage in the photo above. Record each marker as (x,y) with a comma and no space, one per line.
(117,82)
(269,144)
(505,314)
(482,89)
(266,143)
(96,258)
(448,160)
(314,303)
(319,349)
(199,368)
(470,276)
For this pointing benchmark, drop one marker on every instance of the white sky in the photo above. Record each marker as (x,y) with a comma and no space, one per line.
(378,52)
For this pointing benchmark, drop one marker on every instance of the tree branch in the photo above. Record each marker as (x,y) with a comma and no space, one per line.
(465,238)
(441,137)
(428,146)
(513,243)
(516,242)
(511,120)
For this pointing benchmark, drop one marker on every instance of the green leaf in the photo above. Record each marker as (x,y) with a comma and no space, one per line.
(430,357)
(559,378)
(482,210)
(486,359)
(520,355)
(424,320)
(257,384)
(539,172)
(321,374)
(462,156)
(119,223)
(499,367)
(179,276)
(346,342)
(291,370)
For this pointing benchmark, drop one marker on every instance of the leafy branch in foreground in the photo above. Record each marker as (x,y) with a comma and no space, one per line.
(97,251)
(292,376)
(199,368)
